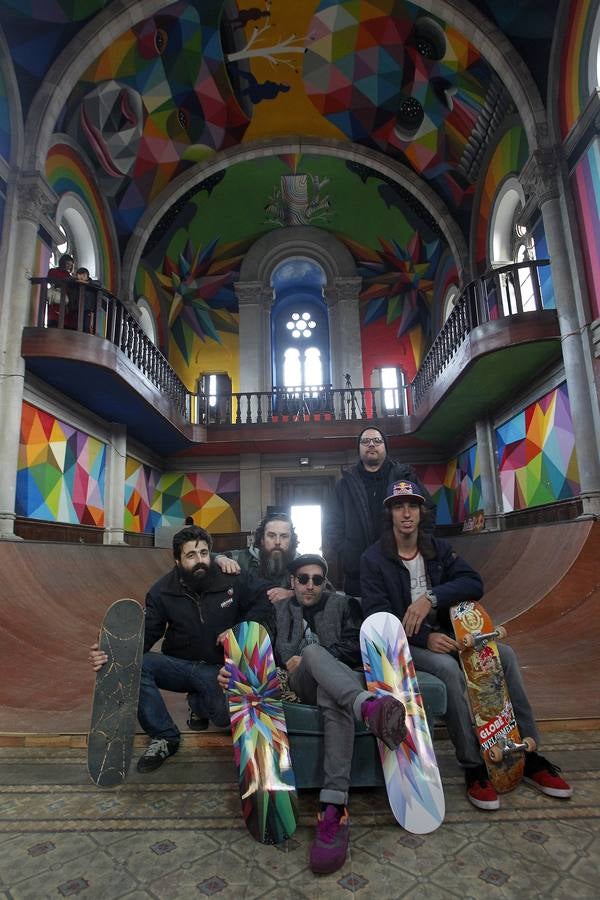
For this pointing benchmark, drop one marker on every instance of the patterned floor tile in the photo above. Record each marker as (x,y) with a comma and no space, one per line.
(94,876)
(148,855)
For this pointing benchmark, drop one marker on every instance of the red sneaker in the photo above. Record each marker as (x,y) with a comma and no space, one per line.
(544,776)
(480,790)
(329,848)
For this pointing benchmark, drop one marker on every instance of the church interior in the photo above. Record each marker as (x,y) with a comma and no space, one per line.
(298,220)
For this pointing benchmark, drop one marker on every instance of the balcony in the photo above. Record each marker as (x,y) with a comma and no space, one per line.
(497,339)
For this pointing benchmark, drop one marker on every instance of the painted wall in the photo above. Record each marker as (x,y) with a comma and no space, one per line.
(573,83)
(455,486)
(154,498)
(536,453)
(585,181)
(61,471)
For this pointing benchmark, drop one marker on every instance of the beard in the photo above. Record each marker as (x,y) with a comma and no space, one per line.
(195,577)
(274,563)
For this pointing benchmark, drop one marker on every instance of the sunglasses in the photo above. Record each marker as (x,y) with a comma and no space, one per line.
(317,580)
(366,441)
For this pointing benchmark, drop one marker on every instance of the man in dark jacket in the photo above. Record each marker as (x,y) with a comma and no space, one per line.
(419,578)
(318,642)
(191,608)
(355,515)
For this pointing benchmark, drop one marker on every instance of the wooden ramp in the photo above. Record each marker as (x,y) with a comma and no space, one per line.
(542,581)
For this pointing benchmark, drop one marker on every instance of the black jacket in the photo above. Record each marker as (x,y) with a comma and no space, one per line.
(385,582)
(349,526)
(190,622)
(336,624)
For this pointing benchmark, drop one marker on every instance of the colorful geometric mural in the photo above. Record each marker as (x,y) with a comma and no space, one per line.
(507,159)
(67,171)
(455,486)
(586,188)
(61,471)
(153,498)
(536,453)
(577,54)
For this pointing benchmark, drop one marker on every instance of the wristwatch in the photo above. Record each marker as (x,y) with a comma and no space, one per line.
(432,598)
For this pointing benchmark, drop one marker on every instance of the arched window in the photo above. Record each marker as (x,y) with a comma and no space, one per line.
(452,295)
(76,224)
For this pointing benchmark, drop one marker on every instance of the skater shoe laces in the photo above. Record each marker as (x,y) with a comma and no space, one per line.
(385,717)
(480,790)
(540,773)
(155,754)
(330,846)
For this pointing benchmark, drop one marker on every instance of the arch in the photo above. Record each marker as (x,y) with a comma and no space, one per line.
(71,210)
(509,198)
(147,320)
(15,111)
(297,240)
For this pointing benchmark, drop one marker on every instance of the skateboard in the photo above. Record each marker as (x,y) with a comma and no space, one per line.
(114,708)
(411,773)
(491,708)
(260,739)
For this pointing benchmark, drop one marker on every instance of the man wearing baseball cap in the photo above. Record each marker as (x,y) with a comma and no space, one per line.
(318,643)
(419,577)
(354,517)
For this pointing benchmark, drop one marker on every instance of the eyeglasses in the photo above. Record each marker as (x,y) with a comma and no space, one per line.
(317,580)
(366,441)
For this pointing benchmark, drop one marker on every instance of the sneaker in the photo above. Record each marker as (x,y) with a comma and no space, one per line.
(480,790)
(385,716)
(196,722)
(544,776)
(329,848)
(155,754)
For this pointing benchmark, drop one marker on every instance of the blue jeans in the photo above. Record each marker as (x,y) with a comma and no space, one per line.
(197,679)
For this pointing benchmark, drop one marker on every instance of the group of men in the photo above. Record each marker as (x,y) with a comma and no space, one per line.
(65,270)
(380,523)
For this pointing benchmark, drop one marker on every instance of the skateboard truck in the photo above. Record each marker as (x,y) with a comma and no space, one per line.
(477,641)
(505,747)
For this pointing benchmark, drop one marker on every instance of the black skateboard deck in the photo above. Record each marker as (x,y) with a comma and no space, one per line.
(114,709)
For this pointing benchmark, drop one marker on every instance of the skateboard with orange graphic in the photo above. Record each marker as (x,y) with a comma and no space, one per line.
(492,712)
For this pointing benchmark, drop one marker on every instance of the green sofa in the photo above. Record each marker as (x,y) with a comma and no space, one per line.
(305,729)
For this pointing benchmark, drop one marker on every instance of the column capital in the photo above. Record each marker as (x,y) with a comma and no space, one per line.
(343,289)
(253,292)
(540,176)
(36,198)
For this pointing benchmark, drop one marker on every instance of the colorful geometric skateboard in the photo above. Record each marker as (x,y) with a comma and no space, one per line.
(114,709)
(411,773)
(260,740)
(491,709)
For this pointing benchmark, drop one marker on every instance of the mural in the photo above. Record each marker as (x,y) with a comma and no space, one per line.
(153,498)
(574,81)
(586,190)
(68,171)
(536,453)
(455,486)
(61,470)
(190,265)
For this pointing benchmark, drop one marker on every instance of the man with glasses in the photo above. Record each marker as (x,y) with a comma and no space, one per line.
(355,516)
(318,643)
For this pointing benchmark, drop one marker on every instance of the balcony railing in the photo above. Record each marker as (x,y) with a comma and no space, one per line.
(499,294)
(86,307)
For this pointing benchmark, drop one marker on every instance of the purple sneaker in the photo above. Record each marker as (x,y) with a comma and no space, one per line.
(385,716)
(329,848)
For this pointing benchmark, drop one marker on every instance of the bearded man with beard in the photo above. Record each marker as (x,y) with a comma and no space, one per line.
(274,548)
(191,608)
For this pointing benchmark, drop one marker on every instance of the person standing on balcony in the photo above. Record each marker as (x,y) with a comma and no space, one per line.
(418,578)
(274,547)
(354,517)
(64,270)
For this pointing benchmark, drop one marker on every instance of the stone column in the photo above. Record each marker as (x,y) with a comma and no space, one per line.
(344,331)
(488,468)
(33,200)
(114,485)
(541,178)
(255,302)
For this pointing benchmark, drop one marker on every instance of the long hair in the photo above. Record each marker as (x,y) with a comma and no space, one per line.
(388,541)
(276,517)
(189,533)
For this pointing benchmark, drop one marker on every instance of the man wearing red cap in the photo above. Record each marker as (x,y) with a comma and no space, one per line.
(418,578)
(354,517)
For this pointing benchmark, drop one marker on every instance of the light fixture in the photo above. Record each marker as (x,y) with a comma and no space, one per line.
(304,461)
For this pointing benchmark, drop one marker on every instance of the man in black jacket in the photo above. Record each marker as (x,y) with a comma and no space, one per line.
(419,578)
(355,515)
(318,642)
(191,608)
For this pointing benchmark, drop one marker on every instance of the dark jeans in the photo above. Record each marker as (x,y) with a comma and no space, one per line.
(183,676)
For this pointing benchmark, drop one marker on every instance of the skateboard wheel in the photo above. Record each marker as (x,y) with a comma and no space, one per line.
(501,631)
(468,641)
(496,754)
(529,744)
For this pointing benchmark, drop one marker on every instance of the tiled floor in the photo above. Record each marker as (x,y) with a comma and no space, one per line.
(178,834)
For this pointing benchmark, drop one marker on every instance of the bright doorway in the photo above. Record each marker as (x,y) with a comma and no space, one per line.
(307,521)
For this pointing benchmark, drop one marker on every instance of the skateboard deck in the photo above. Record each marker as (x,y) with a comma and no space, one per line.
(491,708)
(114,708)
(260,739)
(411,773)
